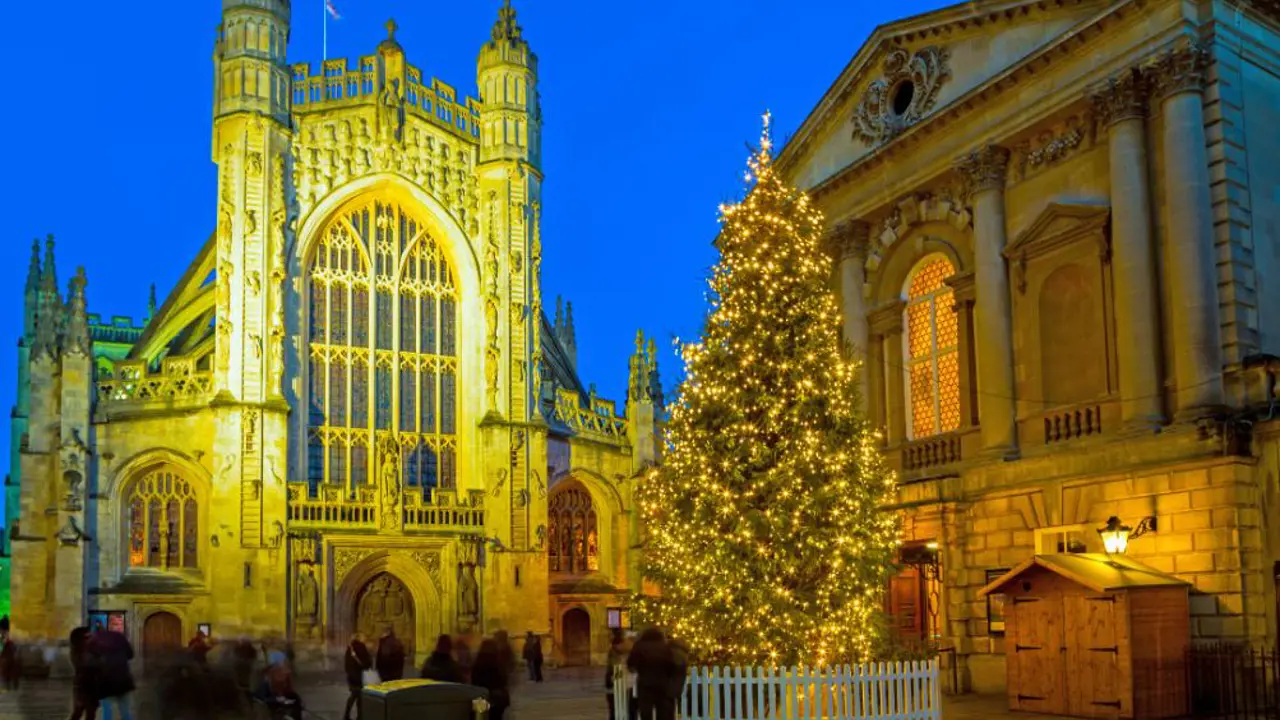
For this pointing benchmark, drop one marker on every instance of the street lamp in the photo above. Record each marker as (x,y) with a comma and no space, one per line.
(1116,536)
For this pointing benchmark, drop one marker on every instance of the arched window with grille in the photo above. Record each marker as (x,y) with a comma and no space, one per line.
(573,539)
(932,340)
(164,521)
(383,346)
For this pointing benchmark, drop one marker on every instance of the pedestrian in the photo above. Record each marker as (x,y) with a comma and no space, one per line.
(614,661)
(440,665)
(652,661)
(389,659)
(506,655)
(490,673)
(462,653)
(356,663)
(9,670)
(679,672)
(533,656)
(243,657)
(277,688)
(111,652)
(199,648)
(84,693)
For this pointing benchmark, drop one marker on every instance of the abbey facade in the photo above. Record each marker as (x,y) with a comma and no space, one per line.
(1056,229)
(353,411)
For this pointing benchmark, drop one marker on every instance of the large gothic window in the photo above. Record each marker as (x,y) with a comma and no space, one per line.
(383,369)
(573,540)
(163,522)
(932,350)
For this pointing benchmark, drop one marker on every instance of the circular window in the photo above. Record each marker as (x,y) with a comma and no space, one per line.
(903,94)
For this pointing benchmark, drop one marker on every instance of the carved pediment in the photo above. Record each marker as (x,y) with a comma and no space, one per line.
(1059,225)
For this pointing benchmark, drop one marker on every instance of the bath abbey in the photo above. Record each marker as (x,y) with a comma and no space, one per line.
(355,410)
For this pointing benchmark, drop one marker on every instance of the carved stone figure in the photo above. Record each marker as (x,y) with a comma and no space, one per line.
(308,593)
(470,591)
(390,485)
(390,116)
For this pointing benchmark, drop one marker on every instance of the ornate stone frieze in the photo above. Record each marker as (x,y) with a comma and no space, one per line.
(1123,97)
(1178,70)
(1051,146)
(948,204)
(985,168)
(903,95)
(344,559)
(430,561)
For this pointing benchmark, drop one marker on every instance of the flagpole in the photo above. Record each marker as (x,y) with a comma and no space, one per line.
(324,52)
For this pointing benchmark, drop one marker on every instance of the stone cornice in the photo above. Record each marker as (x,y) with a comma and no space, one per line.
(1122,97)
(1181,69)
(986,168)
(887,318)
(849,239)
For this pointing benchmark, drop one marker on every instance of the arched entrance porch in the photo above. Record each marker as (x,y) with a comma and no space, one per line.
(575,630)
(388,589)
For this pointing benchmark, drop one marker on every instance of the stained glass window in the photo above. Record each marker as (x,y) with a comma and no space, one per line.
(163,521)
(572,534)
(391,368)
(932,374)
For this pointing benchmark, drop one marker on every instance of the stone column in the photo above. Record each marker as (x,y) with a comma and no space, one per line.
(985,169)
(876,411)
(849,248)
(963,291)
(1179,78)
(886,323)
(1121,105)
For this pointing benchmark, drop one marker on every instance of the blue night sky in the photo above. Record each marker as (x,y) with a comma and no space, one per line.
(647,108)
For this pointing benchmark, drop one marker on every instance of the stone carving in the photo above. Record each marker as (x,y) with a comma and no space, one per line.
(344,559)
(304,549)
(947,204)
(390,112)
(1051,146)
(469,591)
(502,480)
(255,164)
(389,483)
(541,534)
(491,376)
(1182,69)
(430,561)
(71,534)
(985,168)
(905,94)
(308,592)
(1123,97)
(250,222)
(848,239)
(542,487)
(277,532)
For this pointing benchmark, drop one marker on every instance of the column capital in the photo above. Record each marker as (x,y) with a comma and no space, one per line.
(985,168)
(963,287)
(848,239)
(1181,69)
(1122,97)
(887,318)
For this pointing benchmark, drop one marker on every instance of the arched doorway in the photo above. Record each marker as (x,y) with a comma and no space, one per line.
(575,631)
(385,602)
(161,635)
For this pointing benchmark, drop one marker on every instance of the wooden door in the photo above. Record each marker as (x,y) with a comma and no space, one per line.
(906,600)
(161,635)
(576,634)
(1092,657)
(386,603)
(1037,650)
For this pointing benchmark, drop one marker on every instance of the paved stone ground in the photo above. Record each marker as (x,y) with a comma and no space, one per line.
(567,695)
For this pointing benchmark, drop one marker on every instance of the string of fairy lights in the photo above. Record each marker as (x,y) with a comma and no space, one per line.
(763,525)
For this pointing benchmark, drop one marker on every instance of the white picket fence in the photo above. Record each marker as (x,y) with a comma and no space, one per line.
(874,691)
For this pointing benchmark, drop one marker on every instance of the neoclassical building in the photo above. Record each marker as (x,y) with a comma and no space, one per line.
(353,411)
(1056,229)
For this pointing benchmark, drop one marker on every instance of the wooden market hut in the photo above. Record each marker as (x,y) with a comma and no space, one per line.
(1093,635)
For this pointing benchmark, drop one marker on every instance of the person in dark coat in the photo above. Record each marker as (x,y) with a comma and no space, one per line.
(679,671)
(114,682)
(83,693)
(389,660)
(489,673)
(616,658)
(356,663)
(506,655)
(440,665)
(533,656)
(277,689)
(199,648)
(9,663)
(243,657)
(654,665)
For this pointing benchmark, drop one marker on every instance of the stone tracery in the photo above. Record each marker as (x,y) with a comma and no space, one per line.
(905,93)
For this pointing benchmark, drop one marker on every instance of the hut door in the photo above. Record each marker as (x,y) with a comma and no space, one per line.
(1093,656)
(1037,649)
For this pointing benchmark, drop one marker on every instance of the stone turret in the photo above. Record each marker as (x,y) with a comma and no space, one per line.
(249,61)
(564,331)
(76,339)
(644,404)
(31,295)
(508,79)
(48,308)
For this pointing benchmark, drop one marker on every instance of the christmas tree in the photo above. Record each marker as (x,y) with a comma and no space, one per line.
(764,528)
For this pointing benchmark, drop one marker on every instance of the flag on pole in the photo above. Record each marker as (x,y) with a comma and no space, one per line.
(328,5)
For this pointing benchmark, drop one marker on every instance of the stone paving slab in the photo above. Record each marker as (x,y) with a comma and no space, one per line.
(567,695)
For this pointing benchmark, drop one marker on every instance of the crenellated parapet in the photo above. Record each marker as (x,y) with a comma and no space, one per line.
(595,418)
